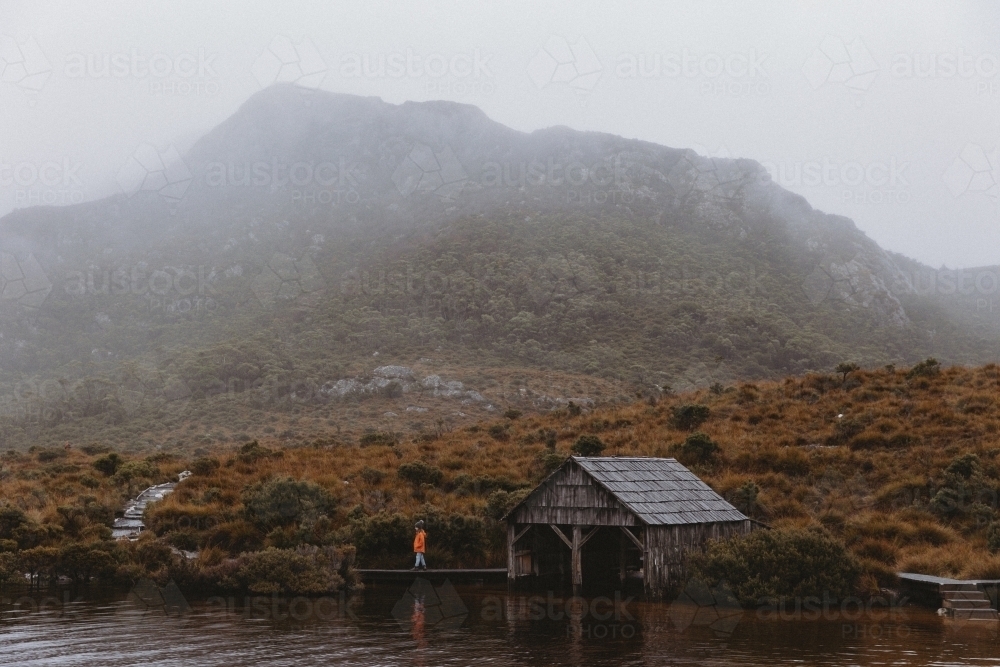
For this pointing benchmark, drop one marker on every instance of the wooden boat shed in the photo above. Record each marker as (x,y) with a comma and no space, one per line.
(636,516)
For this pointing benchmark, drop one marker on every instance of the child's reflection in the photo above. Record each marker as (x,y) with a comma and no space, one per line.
(417,622)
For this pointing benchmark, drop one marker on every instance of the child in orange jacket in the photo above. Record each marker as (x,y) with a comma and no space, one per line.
(419,541)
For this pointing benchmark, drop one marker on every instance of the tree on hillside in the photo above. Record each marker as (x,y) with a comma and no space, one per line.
(846,368)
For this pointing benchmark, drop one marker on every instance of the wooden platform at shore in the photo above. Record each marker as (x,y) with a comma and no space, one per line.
(962,599)
(455,576)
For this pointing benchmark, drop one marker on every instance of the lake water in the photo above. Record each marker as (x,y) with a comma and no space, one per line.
(433,623)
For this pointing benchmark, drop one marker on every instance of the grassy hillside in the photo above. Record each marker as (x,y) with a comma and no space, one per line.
(586,305)
(901,465)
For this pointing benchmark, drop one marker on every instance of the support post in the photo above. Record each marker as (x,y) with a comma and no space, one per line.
(621,558)
(511,559)
(577,561)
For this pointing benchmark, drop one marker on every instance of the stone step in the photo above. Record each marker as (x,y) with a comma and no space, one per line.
(964,595)
(975,615)
(959,587)
(967,604)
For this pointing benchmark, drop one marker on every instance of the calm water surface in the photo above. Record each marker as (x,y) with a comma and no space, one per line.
(436,624)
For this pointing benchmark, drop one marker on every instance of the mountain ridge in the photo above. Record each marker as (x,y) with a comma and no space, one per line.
(332,227)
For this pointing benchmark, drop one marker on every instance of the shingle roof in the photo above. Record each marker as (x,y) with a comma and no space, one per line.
(659,491)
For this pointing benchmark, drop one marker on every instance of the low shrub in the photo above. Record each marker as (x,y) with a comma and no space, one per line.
(418,472)
(378,438)
(689,417)
(500,502)
(371,476)
(993,537)
(301,571)
(588,445)
(108,464)
(205,466)
(769,565)
(699,448)
(285,501)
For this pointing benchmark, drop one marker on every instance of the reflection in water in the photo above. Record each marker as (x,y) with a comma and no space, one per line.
(417,622)
(432,623)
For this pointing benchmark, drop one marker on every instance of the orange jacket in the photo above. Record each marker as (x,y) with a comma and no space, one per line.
(418,542)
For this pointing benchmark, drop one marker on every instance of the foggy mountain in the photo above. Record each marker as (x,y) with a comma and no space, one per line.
(311,231)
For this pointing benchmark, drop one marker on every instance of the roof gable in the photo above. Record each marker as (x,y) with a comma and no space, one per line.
(659,491)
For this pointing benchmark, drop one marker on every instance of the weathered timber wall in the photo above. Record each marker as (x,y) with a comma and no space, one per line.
(572,497)
(667,548)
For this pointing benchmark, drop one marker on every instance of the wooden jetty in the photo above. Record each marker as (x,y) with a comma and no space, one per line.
(965,600)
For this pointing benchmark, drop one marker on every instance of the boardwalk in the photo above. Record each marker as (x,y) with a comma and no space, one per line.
(130,525)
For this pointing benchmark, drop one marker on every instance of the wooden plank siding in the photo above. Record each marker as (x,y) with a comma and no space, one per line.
(572,497)
(667,549)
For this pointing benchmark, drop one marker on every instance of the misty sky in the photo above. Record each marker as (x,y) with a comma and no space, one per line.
(885,112)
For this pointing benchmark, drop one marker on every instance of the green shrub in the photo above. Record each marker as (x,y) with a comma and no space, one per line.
(964,466)
(588,445)
(136,470)
(927,368)
(499,432)
(465,484)
(90,481)
(500,502)
(253,452)
(698,447)
(10,568)
(745,499)
(108,464)
(548,461)
(371,475)
(418,472)
(205,466)
(383,540)
(689,417)
(300,571)
(378,438)
(285,501)
(993,537)
(548,436)
(769,565)
(11,518)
